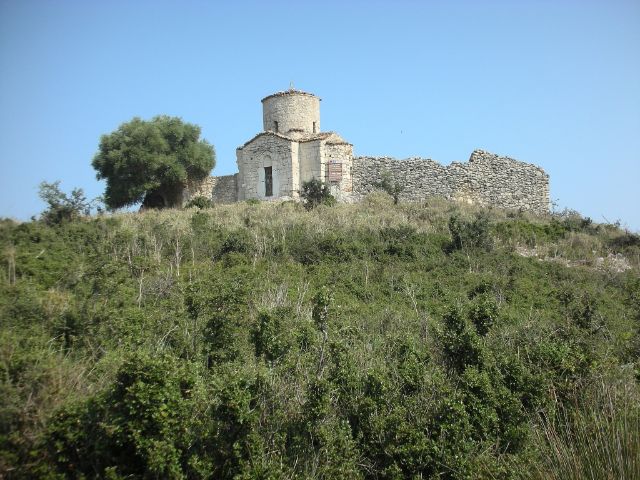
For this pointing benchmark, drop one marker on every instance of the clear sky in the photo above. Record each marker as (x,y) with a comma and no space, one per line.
(555,83)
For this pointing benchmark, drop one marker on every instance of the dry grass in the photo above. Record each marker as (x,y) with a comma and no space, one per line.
(375,212)
(598,439)
(268,221)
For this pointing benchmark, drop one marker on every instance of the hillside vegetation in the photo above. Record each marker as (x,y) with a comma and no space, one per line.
(372,341)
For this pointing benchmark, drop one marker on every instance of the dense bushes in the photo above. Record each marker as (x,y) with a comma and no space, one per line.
(144,424)
(62,207)
(267,341)
(470,234)
(315,193)
(199,202)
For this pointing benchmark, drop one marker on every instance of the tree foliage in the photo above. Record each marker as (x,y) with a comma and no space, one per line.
(151,161)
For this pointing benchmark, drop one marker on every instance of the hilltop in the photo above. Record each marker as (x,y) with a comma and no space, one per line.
(369,340)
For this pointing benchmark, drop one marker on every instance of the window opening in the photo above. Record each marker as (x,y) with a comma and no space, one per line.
(268,181)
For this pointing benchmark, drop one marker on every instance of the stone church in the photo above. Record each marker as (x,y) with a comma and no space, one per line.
(290,150)
(293,149)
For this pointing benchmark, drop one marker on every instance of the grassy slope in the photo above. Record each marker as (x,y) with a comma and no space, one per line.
(264,341)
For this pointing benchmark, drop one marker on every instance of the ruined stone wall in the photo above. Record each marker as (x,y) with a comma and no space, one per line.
(222,189)
(507,183)
(487,179)
(420,178)
(225,189)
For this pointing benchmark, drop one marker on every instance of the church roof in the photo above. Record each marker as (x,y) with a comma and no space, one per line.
(261,134)
(332,138)
(301,136)
(291,91)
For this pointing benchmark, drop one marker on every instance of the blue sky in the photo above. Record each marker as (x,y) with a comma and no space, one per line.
(555,83)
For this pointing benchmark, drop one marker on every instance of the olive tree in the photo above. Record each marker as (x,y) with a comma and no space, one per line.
(151,161)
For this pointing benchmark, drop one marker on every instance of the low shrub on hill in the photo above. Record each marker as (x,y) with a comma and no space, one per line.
(361,341)
(200,203)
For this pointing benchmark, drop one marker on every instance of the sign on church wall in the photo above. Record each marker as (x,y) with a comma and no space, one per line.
(335,171)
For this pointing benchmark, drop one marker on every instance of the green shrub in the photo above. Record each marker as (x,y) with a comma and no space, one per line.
(220,308)
(200,224)
(142,426)
(470,234)
(62,207)
(270,338)
(529,233)
(200,202)
(483,313)
(201,344)
(460,343)
(574,222)
(402,241)
(338,247)
(236,241)
(233,436)
(625,240)
(315,193)
(390,186)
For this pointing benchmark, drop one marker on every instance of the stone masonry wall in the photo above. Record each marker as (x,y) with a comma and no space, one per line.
(487,179)
(341,153)
(223,189)
(267,150)
(309,155)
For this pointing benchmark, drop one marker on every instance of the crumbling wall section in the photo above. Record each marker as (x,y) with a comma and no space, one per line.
(225,189)
(222,189)
(420,178)
(486,179)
